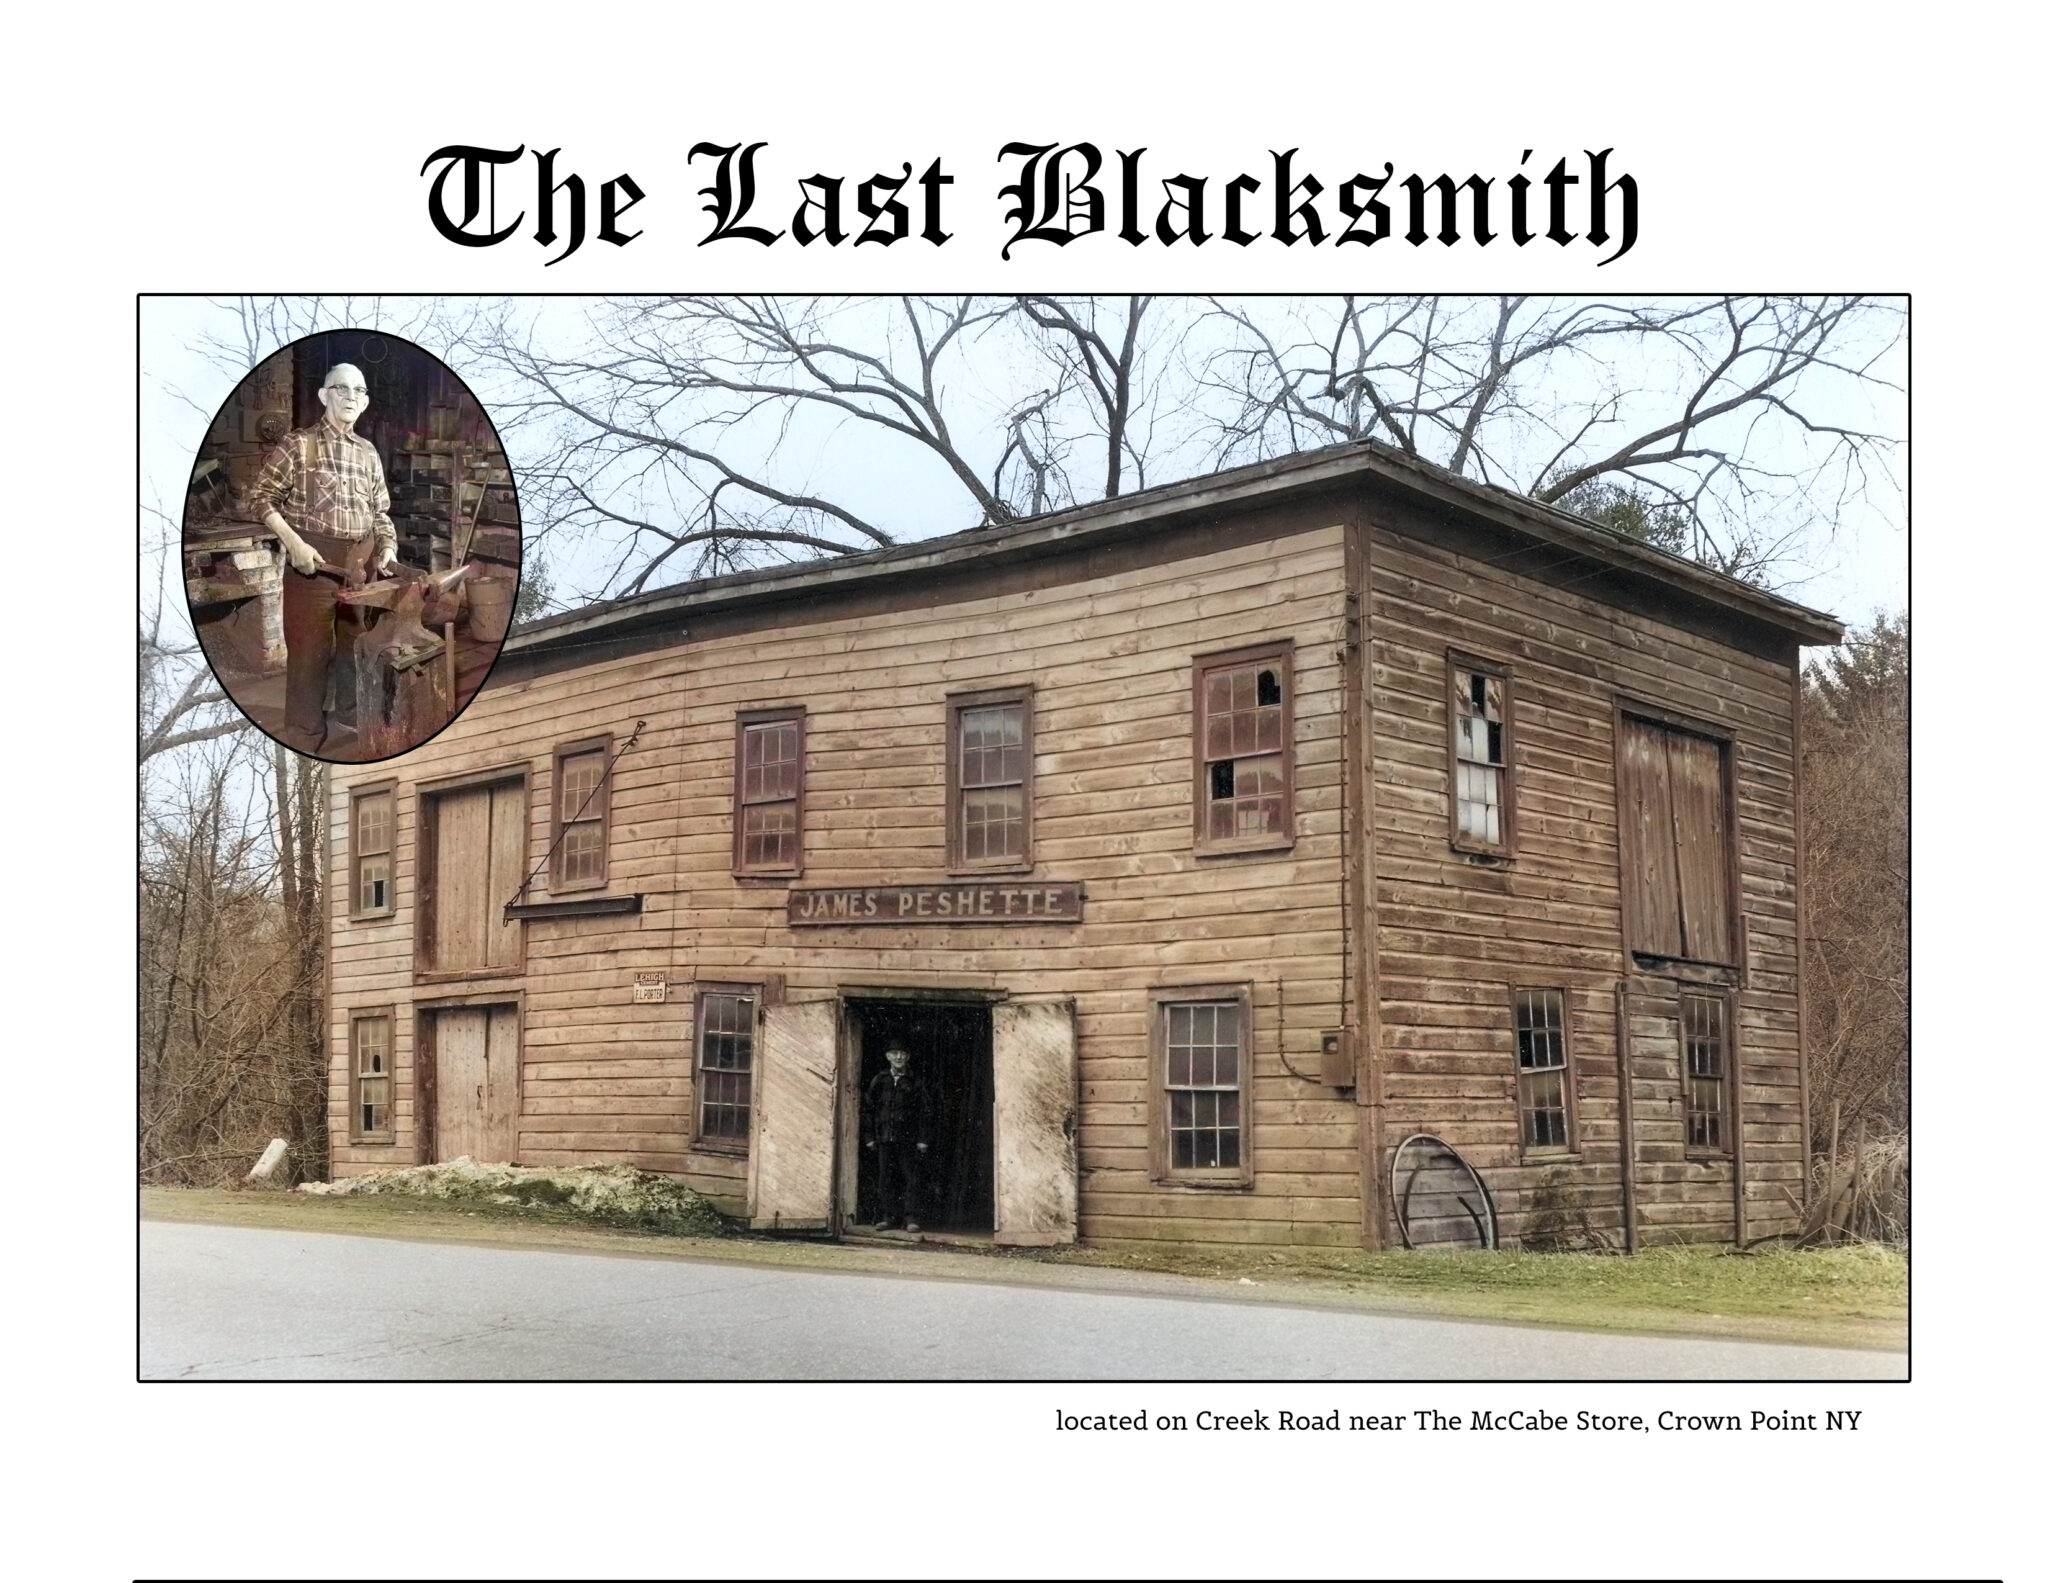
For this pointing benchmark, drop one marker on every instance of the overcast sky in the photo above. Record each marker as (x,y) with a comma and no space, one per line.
(1858,570)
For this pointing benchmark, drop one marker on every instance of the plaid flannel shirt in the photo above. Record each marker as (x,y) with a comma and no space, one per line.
(324,479)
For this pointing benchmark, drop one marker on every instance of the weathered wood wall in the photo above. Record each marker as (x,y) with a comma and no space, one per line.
(1458,933)
(1107,639)
(1109,651)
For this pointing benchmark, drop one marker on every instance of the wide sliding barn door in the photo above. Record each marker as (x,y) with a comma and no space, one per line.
(796,1082)
(1037,1164)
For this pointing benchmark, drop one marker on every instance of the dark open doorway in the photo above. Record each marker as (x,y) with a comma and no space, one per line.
(952,1070)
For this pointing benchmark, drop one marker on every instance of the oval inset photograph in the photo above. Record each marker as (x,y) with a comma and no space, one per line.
(351,545)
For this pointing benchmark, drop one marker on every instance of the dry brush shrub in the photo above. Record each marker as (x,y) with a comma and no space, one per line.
(228,1050)
(1854,744)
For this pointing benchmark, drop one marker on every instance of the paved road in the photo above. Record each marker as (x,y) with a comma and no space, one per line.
(227,1302)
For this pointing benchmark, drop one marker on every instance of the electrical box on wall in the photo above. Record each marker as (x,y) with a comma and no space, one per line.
(1340,1061)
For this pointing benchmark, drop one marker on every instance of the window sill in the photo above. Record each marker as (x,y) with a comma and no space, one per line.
(1491,856)
(991,871)
(374,917)
(730,1148)
(466,975)
(575,887)
(1552,1156)
(374,1140)
(768,876)
(1234,848)
(1651,962)
(1206,1184)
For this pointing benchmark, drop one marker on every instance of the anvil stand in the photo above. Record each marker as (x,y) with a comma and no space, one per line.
(402,698)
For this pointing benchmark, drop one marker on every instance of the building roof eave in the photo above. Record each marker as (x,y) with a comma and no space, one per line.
(1283,478)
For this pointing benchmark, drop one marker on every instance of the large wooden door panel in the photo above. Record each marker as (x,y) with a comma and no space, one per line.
(476,1083)
(796,1083)
(1037,1180)
(479,856)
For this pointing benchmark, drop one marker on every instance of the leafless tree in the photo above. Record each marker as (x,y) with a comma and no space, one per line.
(1853,773)
(230,1045)
(691,425)
(1853,766)
(1754,421)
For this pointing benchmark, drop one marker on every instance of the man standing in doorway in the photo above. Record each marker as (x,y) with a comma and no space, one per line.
(898,1128)
(331,480)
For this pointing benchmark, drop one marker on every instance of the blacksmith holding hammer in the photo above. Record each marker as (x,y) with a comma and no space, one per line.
(331,480)
(899,1131)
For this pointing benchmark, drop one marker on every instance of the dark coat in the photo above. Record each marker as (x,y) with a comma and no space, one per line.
(896,1112)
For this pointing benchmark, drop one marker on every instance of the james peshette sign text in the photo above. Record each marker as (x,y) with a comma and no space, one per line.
(1000,902)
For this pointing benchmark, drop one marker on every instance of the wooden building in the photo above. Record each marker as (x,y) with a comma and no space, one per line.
(1200,846)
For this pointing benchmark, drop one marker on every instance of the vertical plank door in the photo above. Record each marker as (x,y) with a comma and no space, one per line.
(462,824)
(479,862)
(500,1122)
(1649,856)
(1699,816)
(507,870)
(796,1081)
(476,1083)
(1037,1176)
(461,1074)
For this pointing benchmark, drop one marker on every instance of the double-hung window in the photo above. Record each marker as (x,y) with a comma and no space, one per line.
(1202,1054)
(1244,749)
(582,814)
(372,831)
(1703,1033)
(768,793)
(1482,803)
(988,780)
(725,1065)
(1543,1066)
(369,1037)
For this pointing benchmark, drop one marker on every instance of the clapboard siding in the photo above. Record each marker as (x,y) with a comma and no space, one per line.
(1106,636)
(1457,935)
(1110,658)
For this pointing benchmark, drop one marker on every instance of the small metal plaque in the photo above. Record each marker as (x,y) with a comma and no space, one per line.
(650,987)
(998,901)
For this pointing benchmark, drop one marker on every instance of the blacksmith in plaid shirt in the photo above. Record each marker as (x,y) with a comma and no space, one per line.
(330,480)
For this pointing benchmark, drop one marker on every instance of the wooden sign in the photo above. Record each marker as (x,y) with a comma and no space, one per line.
(650,988)
(1002,901)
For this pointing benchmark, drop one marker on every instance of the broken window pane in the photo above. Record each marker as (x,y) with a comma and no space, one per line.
(373,1073)
(1540,1055)
(1479,744)
(373,833)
